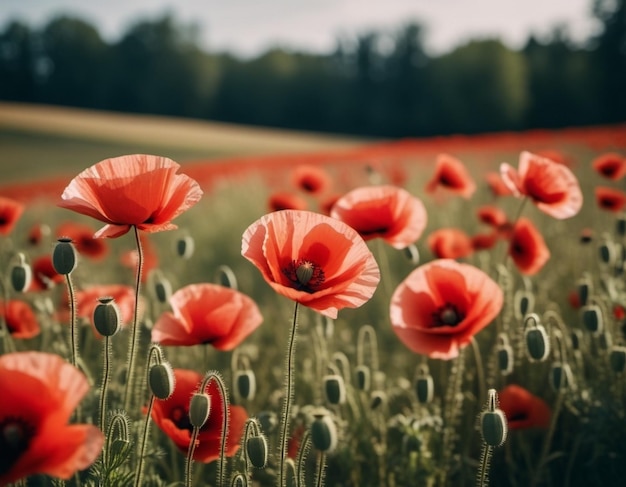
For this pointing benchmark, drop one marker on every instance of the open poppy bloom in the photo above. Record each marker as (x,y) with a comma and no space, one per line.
(610,199)
(552,187)
(207,313)
(44,275)
(523,409)
(286,201)
(388,212)
(311,179)
(123,296)
(610,165)
(82,238)
(37,234)
(492,216)
(484,241)
(315,260)
(441,305)
(20,319)
(172,417)
(450,243)
(135,190)
(10,213)
(451,174)
(40,392)
(527,248)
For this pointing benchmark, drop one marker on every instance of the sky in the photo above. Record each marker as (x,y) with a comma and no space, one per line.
(248,27)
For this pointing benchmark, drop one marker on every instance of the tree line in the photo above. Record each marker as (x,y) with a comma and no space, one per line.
(378,83)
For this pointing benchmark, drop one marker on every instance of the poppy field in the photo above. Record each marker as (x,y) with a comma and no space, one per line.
(438,312)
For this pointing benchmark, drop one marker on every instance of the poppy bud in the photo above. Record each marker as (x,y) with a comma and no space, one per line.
(412,254)
(620,225)
(64,256)
(268,421)
(575,339)
(524,303)
(239,481)
(537,342)
(245,383)
(424,385)
(21,274)
(607,252)
(185,247)
(505,358)
(161,286)
(106,317)
(617,359)
(256,447)
(363,377)
(561,377)
(226,277)
(584,290)
(377,399)
(334,389)
(592,318)
(199,409)
(291,473)
(493,426)
(324,433)
(161,380)
(604,341)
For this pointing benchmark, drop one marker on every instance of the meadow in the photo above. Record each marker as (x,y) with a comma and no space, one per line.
(366,409)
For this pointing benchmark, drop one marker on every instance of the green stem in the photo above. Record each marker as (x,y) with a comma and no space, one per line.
(289,385)
(483,470)
(73,328)
(189,460)
(321,464)
(547,442)
(480,371)
(103,391)
(134,338)
(144,441)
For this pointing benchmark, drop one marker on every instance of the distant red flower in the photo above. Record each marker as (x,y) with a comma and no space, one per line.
(10,213)
(311,179)
(610,165)
(286,201)
(619,312)
(552,187)
(20,319)
(527,248)
(38,233)
(492,216)
(610,199)
(44,275)
(522,409)
(313,259)
(207,313)
(573,298)
(135,190)
(441,305)
(496,185)
(386,212)
(484,241)
(586,235)
(172,417)
(40,392)
(124,296)
(82,238)
(450,243)
(451,174)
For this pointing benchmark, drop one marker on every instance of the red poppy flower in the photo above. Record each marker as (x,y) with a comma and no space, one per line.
(20,319)
(492,216)
(311,179)
(286,201)
(388,212)
(82,238)
(451,174)
(550,186)
(496,185)
(44,275)
(450,243)
(124,296)
(40,392)
(207,313)
(441,305)
(523,409)
(172,417)
(610,199)
(555,156)
(10,213)
(313,259)
(484,241)
(38,233)
(527,247)
(610,165)
(136,190)
(573,298)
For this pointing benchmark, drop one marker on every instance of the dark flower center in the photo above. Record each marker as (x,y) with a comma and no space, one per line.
(15,437)
(305,275)
(447,315)
(180,417)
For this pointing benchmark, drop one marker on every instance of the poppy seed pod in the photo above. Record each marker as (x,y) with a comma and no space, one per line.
(424,385)
(412,253)
(199,409)
(225,276)
(245,384)
(185,247)
(363,377)
(161,286)
(334,389)
(584,290)
(504,353)
(493,425)
(239,481)
(561,377)
(64,256)
(21,274)
(106,317)
(617,359)
(377,399)
(536,338)
(524,303)
(324,433)
(620,225)
(592,318)
(161,380)
(256,448)
(291,473)
(607,252)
